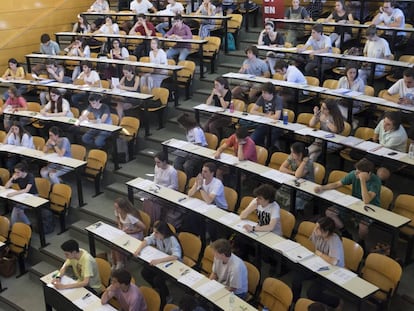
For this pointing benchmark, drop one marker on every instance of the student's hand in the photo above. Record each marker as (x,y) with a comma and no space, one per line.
(316,111)
(318,189)
(363,176)
(155,262)
(217,155)
(318,253)
(248,228)
(137,252)
(199,180)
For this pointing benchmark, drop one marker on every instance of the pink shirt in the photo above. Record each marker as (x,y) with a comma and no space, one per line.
(17,102)
(249,148)
(130,300)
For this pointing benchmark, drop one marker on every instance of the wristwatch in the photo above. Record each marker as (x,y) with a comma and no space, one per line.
(253,228)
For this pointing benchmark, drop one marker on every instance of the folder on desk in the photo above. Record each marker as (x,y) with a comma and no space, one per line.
(298,254)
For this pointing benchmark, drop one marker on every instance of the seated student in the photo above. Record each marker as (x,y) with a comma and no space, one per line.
(330,119)
(206,8)
(229,269)
(88,77)
(129,221)
(268,36)
(290,73)
(220,97)
(129,82)
(144,28)
(102,114)
(179,30)
(366,186)
(300,165)
(26,182)
(296,12)
(405,89)
(49,47)
(254,66)
(14,102)
(340,15)
(391,16)
(14,72)
(164,175)
(173,8)
(99,6)
(267,209)
(328,246)
(188,163)
(84,267)
(166,241)
(109,27)
(243,146)
(57,106)
(154,79)
(211,188)
(320,43)
(82,25)
(54,72)
(17,136)
(391,134)
(375,47)
(78,47)
(61,145)
(353,82)
(142,6)
(271,105)
(127,294)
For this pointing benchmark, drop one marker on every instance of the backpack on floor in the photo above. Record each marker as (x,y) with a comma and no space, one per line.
(231,43)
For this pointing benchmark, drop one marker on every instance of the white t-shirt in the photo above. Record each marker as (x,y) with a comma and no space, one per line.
(26,141)
(129,223)
(401,89)
(216,187)
(176,9)
(141,7)
(267,213)
(65,107)
(196,136)
(232,274)
(167,177)
(91,79)
(293,74)
(388,19)
(377,49)
(323,42)
(106,30)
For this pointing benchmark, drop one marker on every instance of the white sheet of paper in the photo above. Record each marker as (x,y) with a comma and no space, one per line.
(210,288)
(351,141)
(83,303)
(299,253)
(278,176)
(285,245)
(315,263)
(331,195)
(229,218)
(196,205)
(143,184)
(341,276)
(108,232)
(149,253)
(229,159)
(190,278)
(176,143)
(368,146)
(346,200)
(115,82)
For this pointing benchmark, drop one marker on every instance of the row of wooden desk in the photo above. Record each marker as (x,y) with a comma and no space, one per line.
(344,57)
(210,290)
(126,38)
(287,250)
(222,18)
(140,98)
(350,96)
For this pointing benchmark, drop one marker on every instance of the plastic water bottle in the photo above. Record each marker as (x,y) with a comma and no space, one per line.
(231,107)
(232,302)
(411,151)
(265,308)
(285,117)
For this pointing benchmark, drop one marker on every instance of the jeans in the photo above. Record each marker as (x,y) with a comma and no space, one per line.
(161,27)
(181,52)
(18,215)
(95,137)
(260,133)
(52,173)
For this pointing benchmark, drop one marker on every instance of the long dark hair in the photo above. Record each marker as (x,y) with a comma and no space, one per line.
(332,105)
(126,205)
(164,229)
(187,121)
(223,81)
(58,103)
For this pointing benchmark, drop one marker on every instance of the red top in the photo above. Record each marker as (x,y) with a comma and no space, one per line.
(141,29)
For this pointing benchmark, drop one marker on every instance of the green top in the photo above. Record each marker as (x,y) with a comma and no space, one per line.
(373,185)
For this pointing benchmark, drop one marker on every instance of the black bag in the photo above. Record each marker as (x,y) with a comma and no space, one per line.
(47,220)
(171,85)
(7,263)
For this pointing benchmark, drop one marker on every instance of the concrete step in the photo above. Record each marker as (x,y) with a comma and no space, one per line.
(40,269)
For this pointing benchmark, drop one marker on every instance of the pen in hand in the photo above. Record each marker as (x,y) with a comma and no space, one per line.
(86,296)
